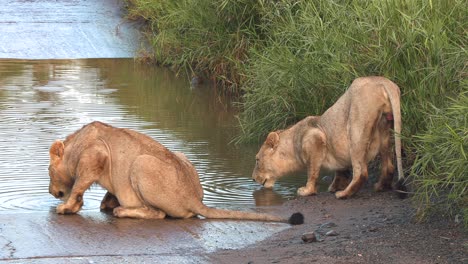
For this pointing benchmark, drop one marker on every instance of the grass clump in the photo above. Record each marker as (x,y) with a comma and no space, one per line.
(440,172)
(205,37)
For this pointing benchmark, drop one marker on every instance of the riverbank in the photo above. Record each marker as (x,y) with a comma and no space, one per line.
(368,228)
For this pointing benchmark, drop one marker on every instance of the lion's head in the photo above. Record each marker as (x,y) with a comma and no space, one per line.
(60,183)
(273,160)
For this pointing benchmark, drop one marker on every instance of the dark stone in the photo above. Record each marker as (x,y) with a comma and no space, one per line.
(311,237)
(296,219)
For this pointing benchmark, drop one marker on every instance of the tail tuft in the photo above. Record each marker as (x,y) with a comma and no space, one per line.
(401,189)
(296,219)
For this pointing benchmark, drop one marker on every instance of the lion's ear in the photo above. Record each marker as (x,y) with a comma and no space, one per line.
(56,150)
(272,139)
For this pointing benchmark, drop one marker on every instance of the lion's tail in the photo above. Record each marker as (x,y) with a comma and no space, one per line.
(394,95)
(214,213)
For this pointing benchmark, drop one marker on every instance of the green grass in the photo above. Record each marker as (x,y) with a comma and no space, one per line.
(440,171)
(289,59)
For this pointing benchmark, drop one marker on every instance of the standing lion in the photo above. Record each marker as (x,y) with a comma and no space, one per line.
(347,136)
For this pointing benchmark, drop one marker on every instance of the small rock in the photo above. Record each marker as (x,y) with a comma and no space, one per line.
(311,237)
(373,229)
(331,233)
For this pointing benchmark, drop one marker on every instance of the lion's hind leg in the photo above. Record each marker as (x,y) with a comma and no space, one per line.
(360,136)
(387,168)
(140,212)
(161,185)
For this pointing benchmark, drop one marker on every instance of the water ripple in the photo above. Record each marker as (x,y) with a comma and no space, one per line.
(41,101)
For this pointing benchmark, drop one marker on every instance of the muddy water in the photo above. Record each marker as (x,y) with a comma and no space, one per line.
(42,100)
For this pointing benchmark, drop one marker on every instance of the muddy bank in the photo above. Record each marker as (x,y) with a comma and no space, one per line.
(369,228)
(66,29)
(89,237)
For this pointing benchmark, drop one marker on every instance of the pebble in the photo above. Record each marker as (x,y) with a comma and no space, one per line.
(311,237)
(373,229)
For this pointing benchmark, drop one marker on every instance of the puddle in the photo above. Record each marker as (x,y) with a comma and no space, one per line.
(45,100)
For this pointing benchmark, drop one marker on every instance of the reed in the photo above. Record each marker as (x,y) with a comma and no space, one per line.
(440,171)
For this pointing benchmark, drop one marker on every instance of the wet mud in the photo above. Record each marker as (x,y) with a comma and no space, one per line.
(368,228)
(94,236)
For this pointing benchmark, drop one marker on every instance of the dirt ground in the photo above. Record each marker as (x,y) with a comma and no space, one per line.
(368,228)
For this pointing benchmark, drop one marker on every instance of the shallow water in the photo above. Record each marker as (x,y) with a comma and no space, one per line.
(45,100)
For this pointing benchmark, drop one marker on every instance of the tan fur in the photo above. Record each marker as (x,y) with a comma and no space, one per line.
(142,177)
(348,135)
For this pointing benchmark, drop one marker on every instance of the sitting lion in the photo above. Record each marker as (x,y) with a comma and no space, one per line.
(348,135)
(142,177)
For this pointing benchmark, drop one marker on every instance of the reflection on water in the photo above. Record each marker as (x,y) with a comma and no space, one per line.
(41,101)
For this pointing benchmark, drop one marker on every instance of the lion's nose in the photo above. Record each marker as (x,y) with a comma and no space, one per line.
(60,194)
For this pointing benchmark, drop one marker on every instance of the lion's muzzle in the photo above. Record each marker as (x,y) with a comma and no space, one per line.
(57,193)
(264,181)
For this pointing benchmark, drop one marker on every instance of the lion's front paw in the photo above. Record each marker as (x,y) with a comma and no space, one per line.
(304,191)
(380,187)
(64,209)
(341,195)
